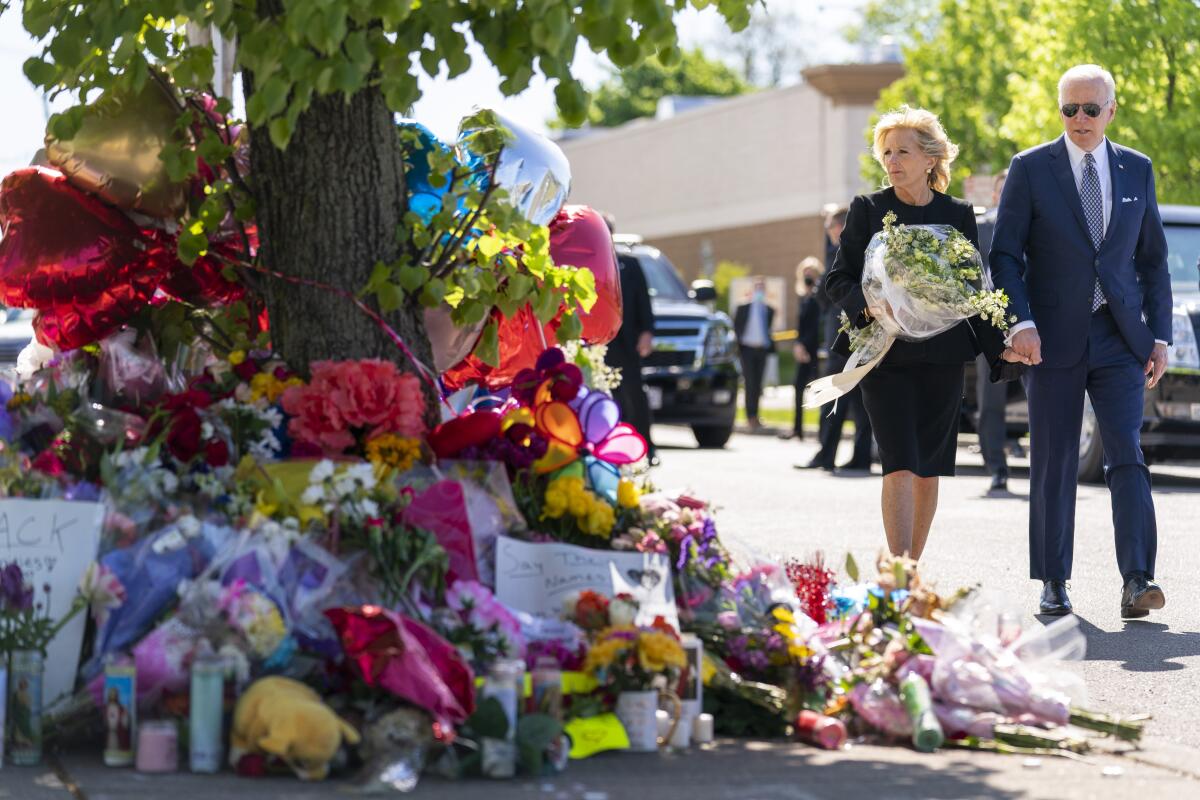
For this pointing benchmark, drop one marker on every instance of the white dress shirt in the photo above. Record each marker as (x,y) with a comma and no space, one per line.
(756,333)
(1076,153)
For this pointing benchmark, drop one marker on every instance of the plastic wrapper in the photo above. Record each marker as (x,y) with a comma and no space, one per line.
(441,509)
(394,749)
(878,705)
(149,572)
(973,669)
(130,370)
(400,655)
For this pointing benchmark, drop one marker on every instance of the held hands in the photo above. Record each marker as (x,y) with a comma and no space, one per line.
(645,344)
(1025,348)
(1156,366)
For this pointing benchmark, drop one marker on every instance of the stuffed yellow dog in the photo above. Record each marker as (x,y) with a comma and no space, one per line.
(284,718)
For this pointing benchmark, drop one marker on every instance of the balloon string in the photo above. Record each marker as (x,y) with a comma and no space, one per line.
(425,372)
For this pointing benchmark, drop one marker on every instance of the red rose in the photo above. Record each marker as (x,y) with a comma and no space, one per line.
(183,439)
(246,370)
(48,462)
(216,453)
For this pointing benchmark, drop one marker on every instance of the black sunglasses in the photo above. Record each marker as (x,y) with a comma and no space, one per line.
(1091,109)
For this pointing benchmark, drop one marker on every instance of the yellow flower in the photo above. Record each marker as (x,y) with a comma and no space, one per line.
(604,654)
(600,520)
(237,357)
(555,504)
(658,651)
(264,385)
(579,505)
(263,505)
(518,416)
(389,451)
(628,494)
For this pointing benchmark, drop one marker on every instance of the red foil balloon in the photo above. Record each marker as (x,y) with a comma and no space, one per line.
(522,339)
(455,435)
(579,237)
(61,244)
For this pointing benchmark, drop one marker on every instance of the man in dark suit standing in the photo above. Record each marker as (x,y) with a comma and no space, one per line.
(752,325)
(991,397)
(850,404)
(1080,249)
(633,342)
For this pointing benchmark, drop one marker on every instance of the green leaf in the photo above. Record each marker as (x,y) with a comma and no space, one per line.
(547,303)
(193,243)
(488,348)
(570,329)
(851,568)
(490,246)
(40,73)
(412,277)
(391,297)
(281,132)
(433,292)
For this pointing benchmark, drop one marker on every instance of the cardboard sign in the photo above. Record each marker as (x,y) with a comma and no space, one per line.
(53,541)
(537,578)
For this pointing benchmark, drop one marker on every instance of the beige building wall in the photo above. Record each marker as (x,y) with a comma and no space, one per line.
(742,179)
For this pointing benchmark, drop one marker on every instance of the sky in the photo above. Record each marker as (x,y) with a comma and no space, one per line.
(444,102)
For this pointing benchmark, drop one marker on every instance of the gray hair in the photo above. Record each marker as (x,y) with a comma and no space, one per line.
(1088,72)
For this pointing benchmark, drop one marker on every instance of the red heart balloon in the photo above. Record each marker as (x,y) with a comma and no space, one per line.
(579,237)
(60,244)
(71,324)
(521,338)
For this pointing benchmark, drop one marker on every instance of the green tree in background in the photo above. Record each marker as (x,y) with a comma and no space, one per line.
(990,69)
(723,277)
(635,91)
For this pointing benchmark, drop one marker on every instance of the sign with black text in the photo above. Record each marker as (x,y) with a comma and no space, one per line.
(53,541)
(537,578)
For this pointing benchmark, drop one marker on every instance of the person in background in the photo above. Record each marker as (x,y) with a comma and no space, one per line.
(808,336)
(991,397)
(851,404)
(752,324)
(633,342)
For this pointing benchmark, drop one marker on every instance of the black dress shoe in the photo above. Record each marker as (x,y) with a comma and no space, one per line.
(1141,596)
(999,483)
(1055,602)
(815,464)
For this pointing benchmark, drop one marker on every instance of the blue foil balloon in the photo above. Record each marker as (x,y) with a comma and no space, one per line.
(531,168)
(424,198)
(603,478)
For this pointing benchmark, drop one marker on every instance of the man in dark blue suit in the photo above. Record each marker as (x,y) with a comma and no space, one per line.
(1080,250)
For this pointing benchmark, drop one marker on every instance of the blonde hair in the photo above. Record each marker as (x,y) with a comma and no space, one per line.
(810,262)
(931,138)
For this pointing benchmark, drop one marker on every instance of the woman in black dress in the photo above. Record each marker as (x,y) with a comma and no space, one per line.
(808,335)
(914,396)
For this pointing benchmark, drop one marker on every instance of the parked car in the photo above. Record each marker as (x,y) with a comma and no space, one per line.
(1171,427)
(16,331)
(692,376)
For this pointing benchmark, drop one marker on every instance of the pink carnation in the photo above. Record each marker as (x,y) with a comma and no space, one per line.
(369,396)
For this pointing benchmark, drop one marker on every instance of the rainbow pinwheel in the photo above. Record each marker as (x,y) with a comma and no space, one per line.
(589,426)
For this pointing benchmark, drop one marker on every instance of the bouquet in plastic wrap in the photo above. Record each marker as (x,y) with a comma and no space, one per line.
(919,281)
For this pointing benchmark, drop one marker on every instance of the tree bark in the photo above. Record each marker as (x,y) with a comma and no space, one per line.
(328,209)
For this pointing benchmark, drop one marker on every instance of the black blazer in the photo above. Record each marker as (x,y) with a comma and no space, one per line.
(844,282)
(637,313)
(808,322)
(742,315)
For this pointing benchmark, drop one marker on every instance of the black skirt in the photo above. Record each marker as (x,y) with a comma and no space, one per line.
(914,411)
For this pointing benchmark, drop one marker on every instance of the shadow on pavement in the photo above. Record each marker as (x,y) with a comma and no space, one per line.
(1142,645)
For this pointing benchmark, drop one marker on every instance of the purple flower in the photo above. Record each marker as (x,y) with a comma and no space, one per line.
(14,594)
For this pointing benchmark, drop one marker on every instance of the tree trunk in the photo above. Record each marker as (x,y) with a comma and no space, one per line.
(328,208)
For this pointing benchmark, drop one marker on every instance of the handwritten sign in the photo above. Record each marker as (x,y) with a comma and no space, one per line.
(53,541)
(537,578)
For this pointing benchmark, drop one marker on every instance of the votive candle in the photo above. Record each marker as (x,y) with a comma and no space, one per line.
(158,747)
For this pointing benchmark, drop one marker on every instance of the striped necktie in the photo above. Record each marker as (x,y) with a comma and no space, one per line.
(1093,211)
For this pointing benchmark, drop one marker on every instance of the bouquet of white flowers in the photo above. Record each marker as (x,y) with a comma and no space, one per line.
(919,281)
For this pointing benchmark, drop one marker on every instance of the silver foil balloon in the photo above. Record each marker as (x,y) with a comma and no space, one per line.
(451,343)
(534,171)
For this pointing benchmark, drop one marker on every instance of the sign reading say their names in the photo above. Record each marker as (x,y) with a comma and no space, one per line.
(53,541)
(537,578)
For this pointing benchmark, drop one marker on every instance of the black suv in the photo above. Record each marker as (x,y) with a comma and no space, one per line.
(692,376)
(1171,429)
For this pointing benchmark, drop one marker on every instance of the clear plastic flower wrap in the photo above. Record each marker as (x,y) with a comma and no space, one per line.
(918,281)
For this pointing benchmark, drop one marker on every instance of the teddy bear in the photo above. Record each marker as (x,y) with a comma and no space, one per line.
(281,717)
